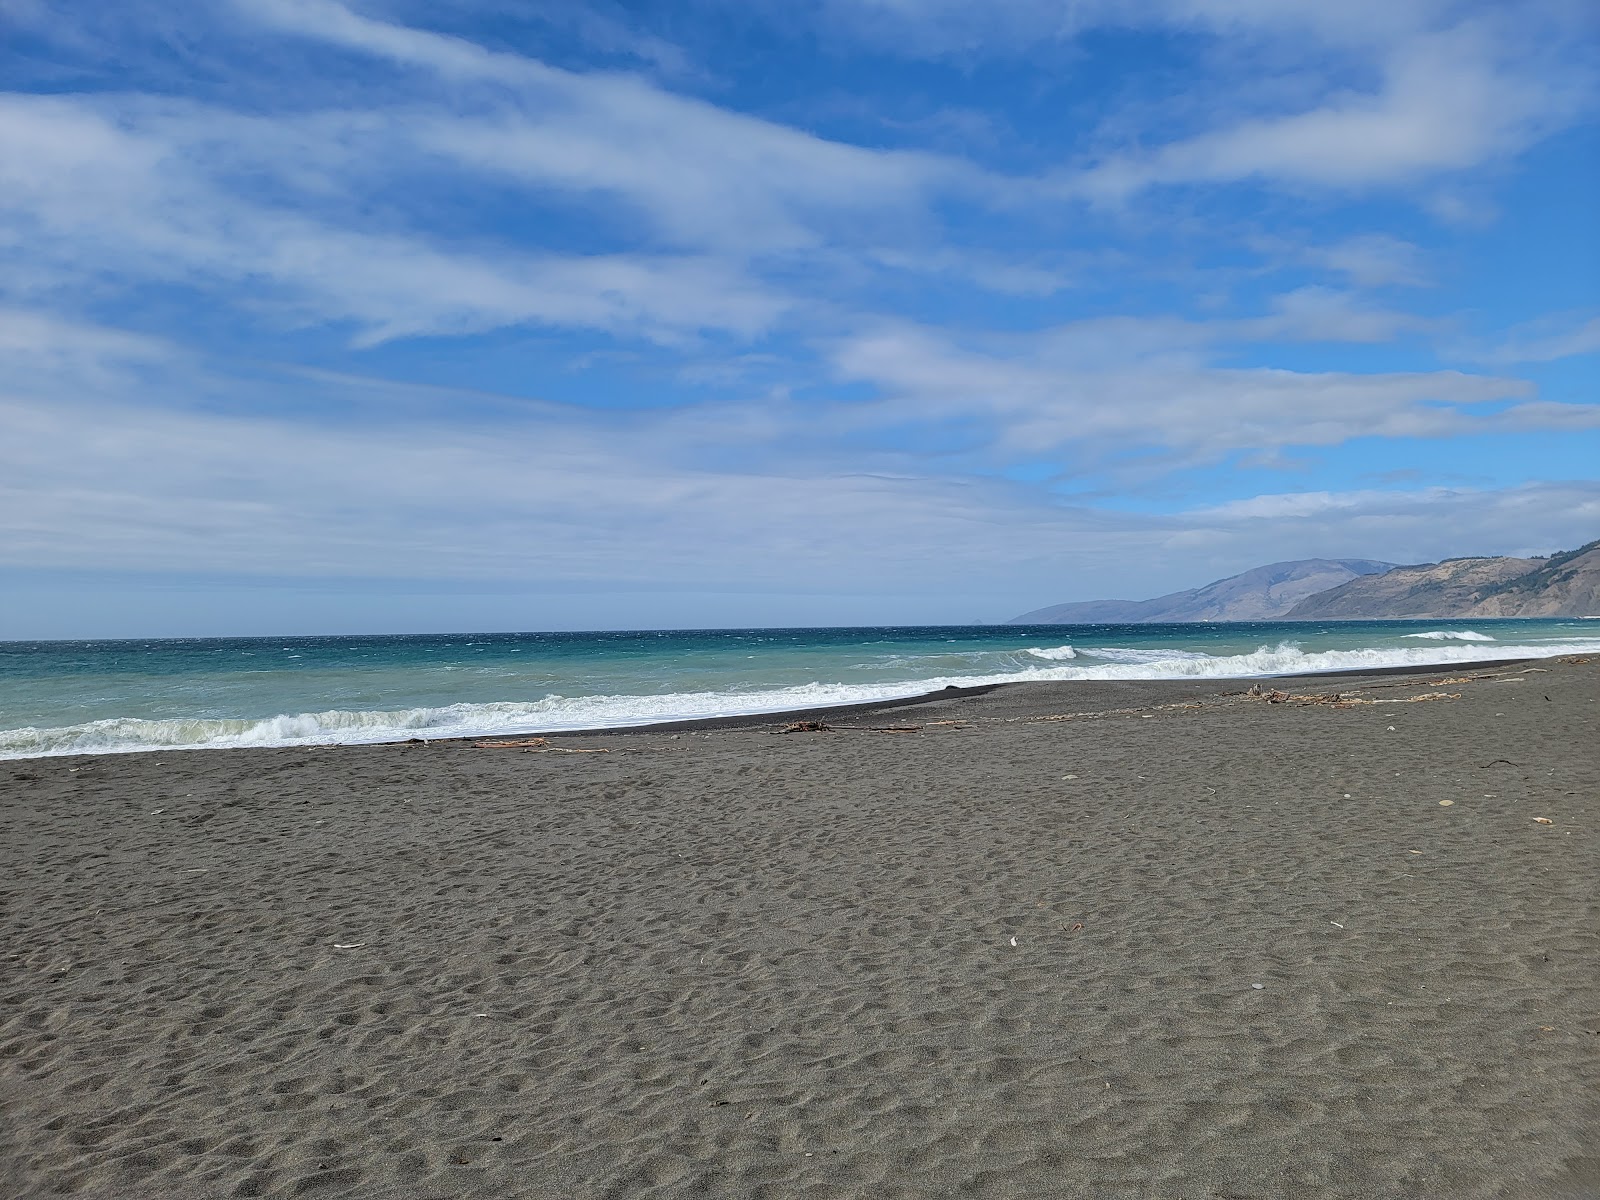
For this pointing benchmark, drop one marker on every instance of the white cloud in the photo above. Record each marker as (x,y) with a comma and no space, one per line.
(704,176)
(1318,314)
(1296,505)
(1374,260)
(1096,389)
(308,212)
(1420,525)
(147,463)
(609,34)
(1452,85)
(333,22)
(101,483)
(1446,86)
(1544,340)
(938,28)
(732,223)
(39,347)
(115,486)
(1447,102)
(90,198)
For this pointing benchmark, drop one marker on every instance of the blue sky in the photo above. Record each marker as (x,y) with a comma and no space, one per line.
(472,314)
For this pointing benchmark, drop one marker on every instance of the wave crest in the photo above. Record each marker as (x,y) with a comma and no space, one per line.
(1053,653)
(1450,635)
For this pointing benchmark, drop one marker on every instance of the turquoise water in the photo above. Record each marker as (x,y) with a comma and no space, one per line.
(77,697)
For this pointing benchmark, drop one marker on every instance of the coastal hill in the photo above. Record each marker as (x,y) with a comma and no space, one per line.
(1263,594)
(1563,585)
(1357,589)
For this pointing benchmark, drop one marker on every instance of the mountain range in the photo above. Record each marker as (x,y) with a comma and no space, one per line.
(1353,589)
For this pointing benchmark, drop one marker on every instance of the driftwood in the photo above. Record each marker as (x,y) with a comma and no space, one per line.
(1147,711)
(824,727)
(1270,695)
(533,745)
(1337,699)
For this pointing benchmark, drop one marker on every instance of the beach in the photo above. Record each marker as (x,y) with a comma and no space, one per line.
(1336,938)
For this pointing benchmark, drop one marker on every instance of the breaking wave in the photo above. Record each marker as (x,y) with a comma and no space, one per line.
(1450,635)
(555,712)
(1121,654)
(1053,653)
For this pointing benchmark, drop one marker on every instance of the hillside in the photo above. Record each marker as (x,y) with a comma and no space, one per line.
(1566,584)
(1262,594)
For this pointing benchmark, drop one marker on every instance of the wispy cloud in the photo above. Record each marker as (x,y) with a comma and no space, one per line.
(1390,94)
(1445,102)
(1544,340)
(1095,390)
(553,495)
(945,27)
(122,188)
(1515,520)
(1374,260)
(702,176)
(94,478)
(159,194)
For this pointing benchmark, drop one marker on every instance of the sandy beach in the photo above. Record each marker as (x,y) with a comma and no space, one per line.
(1046,940)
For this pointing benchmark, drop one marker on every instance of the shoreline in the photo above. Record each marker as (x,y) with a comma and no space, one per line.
(847,710)
(877,707)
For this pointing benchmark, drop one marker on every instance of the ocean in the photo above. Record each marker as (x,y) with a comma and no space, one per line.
(80,697)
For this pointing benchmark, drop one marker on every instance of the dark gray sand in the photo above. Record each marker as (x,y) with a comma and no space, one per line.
(1183,944)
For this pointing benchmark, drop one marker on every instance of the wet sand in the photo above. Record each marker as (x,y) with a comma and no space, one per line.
(1011,953)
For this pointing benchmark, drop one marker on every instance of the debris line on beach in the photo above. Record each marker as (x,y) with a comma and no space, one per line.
(824,727)
(536,745)
(1337,699)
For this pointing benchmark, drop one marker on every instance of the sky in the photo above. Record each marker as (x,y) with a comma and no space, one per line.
(386,316)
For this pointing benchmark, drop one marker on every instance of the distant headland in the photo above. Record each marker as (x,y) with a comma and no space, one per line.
(1355,589)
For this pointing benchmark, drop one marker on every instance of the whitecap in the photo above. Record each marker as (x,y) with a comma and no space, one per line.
(1053,653)
(1122,654)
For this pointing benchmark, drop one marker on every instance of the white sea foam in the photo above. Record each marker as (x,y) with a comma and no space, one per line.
(1053,653)
(597,712)
(1450,635)
(343,727)
(1122,654)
